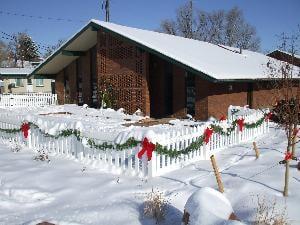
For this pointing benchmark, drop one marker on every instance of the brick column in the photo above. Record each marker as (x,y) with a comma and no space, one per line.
(59,87)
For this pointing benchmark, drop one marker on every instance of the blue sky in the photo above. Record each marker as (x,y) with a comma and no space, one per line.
(270,17)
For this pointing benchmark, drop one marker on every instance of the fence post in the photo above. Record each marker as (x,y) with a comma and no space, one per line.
(152,165)
(29,141)
(238,133)
(217,174)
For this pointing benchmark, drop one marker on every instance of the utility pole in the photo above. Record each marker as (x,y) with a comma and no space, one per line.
(105,6)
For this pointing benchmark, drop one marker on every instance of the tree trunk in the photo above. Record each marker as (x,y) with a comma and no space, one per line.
(294,140)
(287,164)
(286,179)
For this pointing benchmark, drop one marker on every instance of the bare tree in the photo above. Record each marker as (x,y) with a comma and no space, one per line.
(22,48)
(217,27)
(287,92)
(3,52)
(169,26)
(185,20)
(52,48)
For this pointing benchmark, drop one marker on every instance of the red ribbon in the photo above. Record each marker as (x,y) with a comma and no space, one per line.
(223,118)
(268,116)
(241,124)
(288,156)
(147,147)
(207,134)
(25,128)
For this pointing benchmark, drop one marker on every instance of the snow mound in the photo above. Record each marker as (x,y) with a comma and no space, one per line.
(209,207)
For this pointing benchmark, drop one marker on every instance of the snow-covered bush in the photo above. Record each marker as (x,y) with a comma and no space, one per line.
(155,205)
(269,213)
(42,155)
(15,146)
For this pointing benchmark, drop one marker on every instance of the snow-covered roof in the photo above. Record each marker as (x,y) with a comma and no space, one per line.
(215,61)
(15,71)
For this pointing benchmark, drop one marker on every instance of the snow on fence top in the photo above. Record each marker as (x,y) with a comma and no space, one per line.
(27,99)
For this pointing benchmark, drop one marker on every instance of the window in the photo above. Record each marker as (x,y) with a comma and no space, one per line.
(39,82)
(19,82)
(190,90)
(29,81)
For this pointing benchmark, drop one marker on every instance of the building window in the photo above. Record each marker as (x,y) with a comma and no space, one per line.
(19,82)
(190,93)
(39,82)
(29,81)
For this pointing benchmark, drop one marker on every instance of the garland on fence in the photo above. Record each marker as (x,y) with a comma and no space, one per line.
(158,148)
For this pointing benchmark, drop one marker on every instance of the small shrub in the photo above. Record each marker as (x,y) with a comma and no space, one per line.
(42,156)
(15,146)
(268,213)
(155,205)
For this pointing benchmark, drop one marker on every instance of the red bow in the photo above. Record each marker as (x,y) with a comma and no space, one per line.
(288,156)
(25,128)
(223,118)
(268,116)
(207,134)
(147,147)
(240,122)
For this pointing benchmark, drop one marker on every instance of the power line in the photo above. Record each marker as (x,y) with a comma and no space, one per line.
(41,17)
(13,38)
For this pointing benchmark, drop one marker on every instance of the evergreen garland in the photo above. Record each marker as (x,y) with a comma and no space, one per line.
(131,142)
(10,131)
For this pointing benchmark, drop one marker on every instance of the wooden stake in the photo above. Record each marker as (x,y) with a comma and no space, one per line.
(256,150)
(217,174)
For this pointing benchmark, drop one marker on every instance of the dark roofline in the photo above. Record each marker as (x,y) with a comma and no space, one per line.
(283,52)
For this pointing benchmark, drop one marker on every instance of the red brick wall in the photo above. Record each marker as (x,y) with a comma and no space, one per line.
(213,99)
(123,67)
(59,87)
(84,68)
(222,95)
(70,71)
(201,104)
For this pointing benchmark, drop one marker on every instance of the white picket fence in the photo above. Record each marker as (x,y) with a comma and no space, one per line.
(27,99)
(126,161)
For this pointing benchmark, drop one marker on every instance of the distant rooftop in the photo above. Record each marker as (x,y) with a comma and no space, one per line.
(15,71)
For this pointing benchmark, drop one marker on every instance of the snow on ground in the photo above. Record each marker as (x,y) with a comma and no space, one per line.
(68,192)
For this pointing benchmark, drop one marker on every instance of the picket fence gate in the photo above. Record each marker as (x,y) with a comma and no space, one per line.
(27,99)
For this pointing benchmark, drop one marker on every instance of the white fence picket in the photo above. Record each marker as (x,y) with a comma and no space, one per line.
(27,99)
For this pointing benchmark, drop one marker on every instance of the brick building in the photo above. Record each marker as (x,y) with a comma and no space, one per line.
(163,75)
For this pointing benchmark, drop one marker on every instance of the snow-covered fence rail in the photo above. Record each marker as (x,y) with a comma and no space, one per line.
(126,160)
(27,99)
